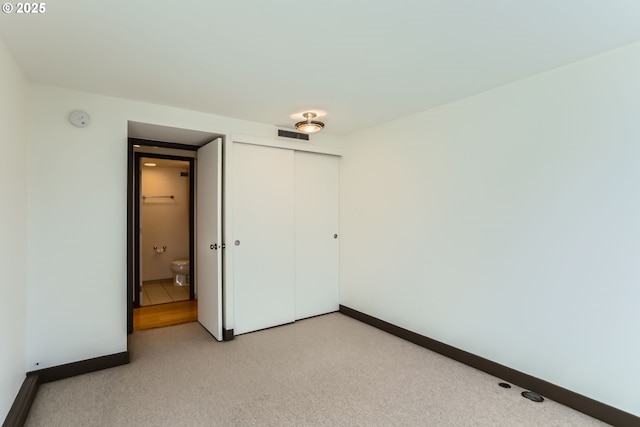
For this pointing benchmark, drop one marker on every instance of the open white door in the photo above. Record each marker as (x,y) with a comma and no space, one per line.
(209,237)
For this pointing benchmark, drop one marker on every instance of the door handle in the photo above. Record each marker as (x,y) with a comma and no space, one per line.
(214,247)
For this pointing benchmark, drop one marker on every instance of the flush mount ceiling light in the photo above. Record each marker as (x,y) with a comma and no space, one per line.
(309,126)
(150,164)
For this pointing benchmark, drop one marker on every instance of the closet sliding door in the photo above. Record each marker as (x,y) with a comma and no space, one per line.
(316,233)
(263,237)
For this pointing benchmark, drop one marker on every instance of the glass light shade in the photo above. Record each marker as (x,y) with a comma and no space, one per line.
(309,126)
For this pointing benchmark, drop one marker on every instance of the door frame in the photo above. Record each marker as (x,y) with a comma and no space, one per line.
(133,216)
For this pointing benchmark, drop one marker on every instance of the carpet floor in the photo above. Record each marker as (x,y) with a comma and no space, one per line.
(329,370)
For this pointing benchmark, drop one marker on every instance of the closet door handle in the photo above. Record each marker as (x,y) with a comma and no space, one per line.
(214,246)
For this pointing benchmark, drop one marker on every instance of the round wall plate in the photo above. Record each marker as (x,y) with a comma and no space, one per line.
(79,118)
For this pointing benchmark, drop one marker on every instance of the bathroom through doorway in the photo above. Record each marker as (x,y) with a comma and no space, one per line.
(165,229)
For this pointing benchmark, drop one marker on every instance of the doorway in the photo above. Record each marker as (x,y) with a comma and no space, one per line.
(163,220)
(196,280)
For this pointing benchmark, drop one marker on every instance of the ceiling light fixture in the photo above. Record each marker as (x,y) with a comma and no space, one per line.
(150,164)
(309,126)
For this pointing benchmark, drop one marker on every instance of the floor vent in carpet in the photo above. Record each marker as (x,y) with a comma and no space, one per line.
(532,396)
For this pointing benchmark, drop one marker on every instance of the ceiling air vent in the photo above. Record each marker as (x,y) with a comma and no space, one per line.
(294,135)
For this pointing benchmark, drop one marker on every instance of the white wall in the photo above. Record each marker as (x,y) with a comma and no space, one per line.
(164,222)
(77,218)
(13,228)
(508,225)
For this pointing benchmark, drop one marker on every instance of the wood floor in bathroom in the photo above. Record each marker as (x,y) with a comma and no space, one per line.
(159,316)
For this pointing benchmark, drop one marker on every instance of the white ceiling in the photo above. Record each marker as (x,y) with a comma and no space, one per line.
(165,163)
(362,62)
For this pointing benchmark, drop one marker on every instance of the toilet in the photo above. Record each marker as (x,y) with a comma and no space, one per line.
(181,269)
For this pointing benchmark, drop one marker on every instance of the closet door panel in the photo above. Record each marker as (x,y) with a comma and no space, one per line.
(316,223)
(263,217)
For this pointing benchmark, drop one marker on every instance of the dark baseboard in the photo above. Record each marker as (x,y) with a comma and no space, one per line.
(581,403)
(68,370)
(20,409)
(227,334)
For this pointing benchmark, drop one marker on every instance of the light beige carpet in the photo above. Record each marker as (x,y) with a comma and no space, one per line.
(325,371)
